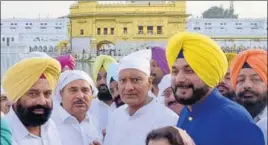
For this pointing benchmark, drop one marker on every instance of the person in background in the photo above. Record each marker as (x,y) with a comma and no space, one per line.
(5,102)
(103,104)
(225,86)
(159,68)
(198,65)
(168,136)
(6,135)
(249,79)
(130,123)
(167,93)
(75,124)
(112,83)
(67,62)
(29,84)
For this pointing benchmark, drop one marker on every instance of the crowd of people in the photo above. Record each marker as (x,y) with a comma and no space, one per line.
(189,93)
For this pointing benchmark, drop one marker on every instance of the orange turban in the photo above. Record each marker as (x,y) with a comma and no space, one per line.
(256,59)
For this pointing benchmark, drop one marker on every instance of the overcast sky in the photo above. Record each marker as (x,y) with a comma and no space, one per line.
(32,9)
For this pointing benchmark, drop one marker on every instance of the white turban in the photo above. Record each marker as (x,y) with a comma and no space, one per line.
(112,72)
(139,60)
(164,84)
(2,90)
(71,75)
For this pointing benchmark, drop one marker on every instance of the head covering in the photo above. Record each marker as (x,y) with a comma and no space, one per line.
(112,73)
(255,58)
(35,54)
(139,60)
(71,75)
(164,84)
(66,60)
(203,55)
(2,90)
(230,57)
(20,77)
(101,61)
(159,55)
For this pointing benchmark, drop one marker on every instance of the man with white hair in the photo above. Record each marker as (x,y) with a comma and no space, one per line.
(112,84)
(168,95)
(130,124)
(75,124)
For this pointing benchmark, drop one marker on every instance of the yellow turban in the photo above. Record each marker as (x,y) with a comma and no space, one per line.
(202,53)
(23,75)
(230,57)
(101,61)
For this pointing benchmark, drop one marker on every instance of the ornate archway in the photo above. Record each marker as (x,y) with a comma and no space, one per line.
(106,46)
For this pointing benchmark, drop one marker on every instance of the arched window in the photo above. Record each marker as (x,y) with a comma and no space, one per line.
(50,48)
(40,48)
(45,49)
(35,48)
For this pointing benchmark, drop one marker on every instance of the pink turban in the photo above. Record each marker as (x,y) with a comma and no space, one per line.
(159,55)
(66,60)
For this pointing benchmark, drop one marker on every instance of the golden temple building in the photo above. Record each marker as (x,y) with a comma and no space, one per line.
(124,25)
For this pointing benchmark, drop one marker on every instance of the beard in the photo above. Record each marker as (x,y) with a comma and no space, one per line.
(118,102)
(104,94)
(29,118)
(198,94)
(253,107)
(230,95)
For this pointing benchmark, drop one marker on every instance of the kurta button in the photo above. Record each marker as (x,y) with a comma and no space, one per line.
(190,118)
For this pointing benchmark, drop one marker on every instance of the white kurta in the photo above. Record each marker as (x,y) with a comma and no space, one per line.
(262,123)
(124,129)
(21,136)
(101,111)
(74,133)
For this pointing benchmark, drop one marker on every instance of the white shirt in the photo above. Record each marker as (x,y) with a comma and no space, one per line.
(124,129)
(159,99)
(261,121)
(74,133)
(101,111)
(21,136)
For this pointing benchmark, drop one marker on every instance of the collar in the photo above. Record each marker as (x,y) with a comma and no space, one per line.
(207,103)
(66,117)
(143,110)
(19,131)
(261,115)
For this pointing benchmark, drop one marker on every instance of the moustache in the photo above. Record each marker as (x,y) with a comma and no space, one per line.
(153,74)
(224,86)
(79,101)
(102,86)
(184,86)
(45,108)
(171,103)
(241,94)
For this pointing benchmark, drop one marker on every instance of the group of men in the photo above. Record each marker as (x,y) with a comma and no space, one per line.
(217,98)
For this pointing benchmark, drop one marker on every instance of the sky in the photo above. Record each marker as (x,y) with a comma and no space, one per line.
(53,9)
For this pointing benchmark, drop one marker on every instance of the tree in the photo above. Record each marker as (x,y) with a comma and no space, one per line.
(219,12)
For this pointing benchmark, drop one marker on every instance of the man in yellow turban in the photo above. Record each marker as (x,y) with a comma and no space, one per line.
(225,86)
(30,83)
(103,104)
(197,65)
(249,78)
